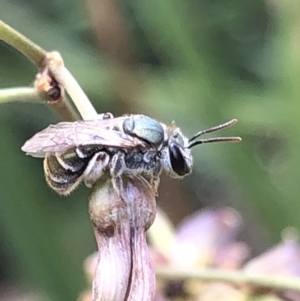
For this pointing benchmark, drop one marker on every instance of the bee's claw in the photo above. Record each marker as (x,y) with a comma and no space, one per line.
(117,183)
(154,182)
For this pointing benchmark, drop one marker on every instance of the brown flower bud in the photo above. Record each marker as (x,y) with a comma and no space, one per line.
(124,270)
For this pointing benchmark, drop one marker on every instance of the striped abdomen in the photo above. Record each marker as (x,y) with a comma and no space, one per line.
(64,172)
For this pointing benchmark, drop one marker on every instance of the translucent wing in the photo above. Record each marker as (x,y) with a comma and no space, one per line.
(65,135)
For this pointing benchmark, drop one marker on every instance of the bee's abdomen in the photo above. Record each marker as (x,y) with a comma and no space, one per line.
(64,172)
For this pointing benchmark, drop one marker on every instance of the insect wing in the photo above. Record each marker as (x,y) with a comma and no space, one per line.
(65,135)
(110,123)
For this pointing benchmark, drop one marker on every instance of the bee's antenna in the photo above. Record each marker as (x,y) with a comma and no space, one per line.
(218,139)
(214,129)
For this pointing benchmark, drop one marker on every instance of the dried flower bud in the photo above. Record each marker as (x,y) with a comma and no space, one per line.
(124,270)
(47,84)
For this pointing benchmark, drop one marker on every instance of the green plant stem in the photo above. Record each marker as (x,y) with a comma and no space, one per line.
(62,109)
(66,79)
(29,49)
(39,57)
(20,94)
(279,283)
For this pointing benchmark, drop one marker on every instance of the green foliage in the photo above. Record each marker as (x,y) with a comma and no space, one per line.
(200,63)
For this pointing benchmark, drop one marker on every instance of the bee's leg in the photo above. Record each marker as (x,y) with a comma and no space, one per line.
(96,167)
(155,178)
(155,184)
(117,166)
(118,186)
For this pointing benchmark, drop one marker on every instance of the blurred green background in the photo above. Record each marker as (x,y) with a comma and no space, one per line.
(199,62)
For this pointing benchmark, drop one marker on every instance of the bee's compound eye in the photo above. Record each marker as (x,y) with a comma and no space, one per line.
(178,163)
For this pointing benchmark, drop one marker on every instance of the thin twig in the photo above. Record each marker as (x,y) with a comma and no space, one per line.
(56,66)
(29,49)
(64,110)
(43,59)
(20,94)
(279,283)
(27,94)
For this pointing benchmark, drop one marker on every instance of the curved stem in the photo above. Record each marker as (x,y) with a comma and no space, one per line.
(56,66)
(42,59)
(275,282)
(18,41)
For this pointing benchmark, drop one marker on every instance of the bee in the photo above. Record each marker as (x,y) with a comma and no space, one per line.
(127,145)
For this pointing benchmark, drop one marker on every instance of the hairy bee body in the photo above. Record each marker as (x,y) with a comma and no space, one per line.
(132,145)
(64,172)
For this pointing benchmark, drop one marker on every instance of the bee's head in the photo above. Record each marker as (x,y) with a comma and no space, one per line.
(177,157)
